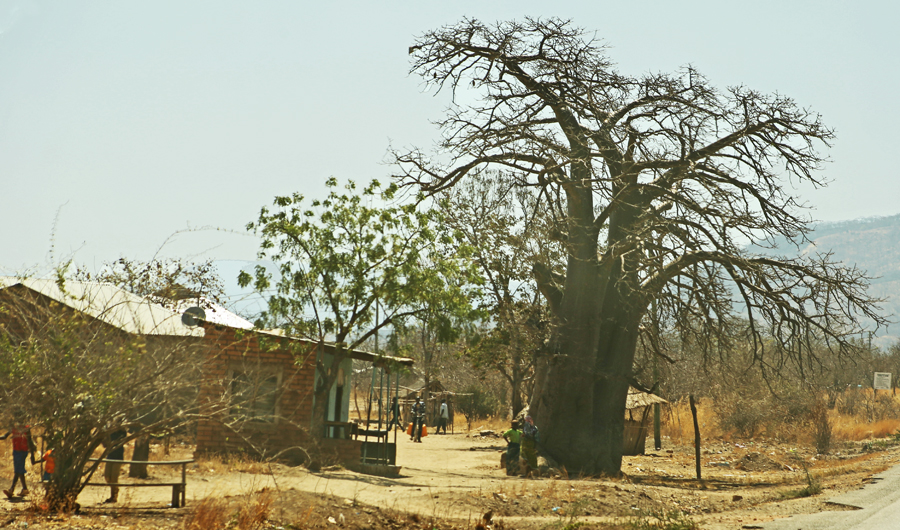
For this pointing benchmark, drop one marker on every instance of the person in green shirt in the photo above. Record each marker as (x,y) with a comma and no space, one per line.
(513,437)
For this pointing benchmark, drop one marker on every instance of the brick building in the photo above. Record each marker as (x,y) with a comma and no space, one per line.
(256,392)
(274,377)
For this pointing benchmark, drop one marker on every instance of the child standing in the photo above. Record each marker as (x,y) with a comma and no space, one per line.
(513,437)
(22,445)
(49,465)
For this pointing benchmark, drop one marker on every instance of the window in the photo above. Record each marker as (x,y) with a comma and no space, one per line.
(254,395)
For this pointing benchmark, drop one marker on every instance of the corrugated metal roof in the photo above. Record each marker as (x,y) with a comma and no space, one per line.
(147,316)
(330,347)
(123,310)
(214,313)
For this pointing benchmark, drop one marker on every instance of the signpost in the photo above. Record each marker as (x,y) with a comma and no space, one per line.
(882,381)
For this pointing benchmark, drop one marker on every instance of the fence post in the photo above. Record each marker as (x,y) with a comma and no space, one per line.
(696,435)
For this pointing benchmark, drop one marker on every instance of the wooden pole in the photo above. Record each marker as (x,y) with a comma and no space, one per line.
(657,437)
(696,435)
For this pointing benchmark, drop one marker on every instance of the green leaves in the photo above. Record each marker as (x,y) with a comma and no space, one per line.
(339,257)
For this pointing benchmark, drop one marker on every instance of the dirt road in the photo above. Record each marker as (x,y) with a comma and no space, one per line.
(440,465)
(457,477)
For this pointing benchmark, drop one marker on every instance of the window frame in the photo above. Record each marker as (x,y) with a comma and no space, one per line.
(261,374)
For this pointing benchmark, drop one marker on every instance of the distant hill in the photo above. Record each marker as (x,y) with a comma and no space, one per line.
(872,244)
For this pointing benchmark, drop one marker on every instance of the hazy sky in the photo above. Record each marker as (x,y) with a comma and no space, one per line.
(134,120)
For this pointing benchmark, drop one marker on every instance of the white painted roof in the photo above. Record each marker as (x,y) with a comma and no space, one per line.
(124,310)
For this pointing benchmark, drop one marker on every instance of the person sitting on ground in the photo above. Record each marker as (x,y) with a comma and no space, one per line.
(22,444)
(513,438)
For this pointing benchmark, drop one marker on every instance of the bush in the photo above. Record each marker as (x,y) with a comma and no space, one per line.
(822,427)
(476,404)
(745,415)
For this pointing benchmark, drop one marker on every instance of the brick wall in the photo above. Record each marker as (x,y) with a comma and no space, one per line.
(347,452)
(229,349)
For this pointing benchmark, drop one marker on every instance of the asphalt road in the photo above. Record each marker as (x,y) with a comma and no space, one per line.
(876,506)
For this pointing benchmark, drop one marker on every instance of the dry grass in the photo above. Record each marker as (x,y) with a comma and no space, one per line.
(241,463)
(678,425)
(497,424)
(868,421)
(850,429)
(254,513)
(215,513)
(210,514)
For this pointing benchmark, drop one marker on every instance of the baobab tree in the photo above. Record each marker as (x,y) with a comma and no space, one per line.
(657,184)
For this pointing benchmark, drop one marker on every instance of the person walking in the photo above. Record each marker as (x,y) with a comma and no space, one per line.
(395,415)
(445,417)
(22,444)
(112,469)
(49,465)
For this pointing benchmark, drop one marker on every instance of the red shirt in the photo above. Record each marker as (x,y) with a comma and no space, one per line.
(20,439)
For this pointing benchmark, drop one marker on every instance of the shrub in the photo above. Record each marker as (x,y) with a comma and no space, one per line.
(475,404)
(821,426)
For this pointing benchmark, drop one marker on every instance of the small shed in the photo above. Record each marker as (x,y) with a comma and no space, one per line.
(638,407)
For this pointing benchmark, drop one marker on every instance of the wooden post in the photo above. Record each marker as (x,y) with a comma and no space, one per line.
(696,435)
(657,437)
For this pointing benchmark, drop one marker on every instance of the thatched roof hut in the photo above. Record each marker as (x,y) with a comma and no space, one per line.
(637,407)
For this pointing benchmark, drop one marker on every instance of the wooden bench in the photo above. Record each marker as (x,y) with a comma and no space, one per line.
(178,488)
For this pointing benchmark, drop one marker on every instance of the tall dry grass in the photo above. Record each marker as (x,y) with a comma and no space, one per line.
(493,423)
(678,424)
(210,514)
(850,429)
(237,462)
(214,513)
(853,415)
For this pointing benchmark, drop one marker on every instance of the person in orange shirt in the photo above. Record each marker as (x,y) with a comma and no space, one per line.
(49,465)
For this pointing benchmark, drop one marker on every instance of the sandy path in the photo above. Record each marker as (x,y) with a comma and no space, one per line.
(430,470)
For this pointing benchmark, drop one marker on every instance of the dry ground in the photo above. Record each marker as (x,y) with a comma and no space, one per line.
(451,481)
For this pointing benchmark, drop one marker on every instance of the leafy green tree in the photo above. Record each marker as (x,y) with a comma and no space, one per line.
(656,183)
(339,257)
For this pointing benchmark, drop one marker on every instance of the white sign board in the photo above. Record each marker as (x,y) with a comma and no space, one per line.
(882,381)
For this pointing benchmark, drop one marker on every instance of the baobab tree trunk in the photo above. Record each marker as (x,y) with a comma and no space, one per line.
(580,407)
(615,356)
(564,406)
